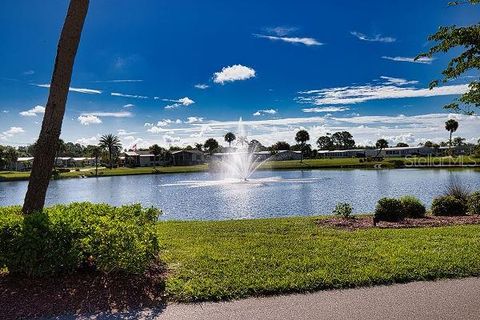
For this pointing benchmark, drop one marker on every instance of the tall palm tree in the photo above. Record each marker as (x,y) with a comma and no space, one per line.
(380,145)
(302,137)
(111,143)
(156,150)
(230,137)
(451,126)
(55,108)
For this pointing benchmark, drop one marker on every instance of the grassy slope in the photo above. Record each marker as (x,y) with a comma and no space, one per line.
(233,259)
(272,165)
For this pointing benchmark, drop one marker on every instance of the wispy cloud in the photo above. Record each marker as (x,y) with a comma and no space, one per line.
(124,95)
(423,60)
(194,119)
(118,81)
(390,88)
(87,141)
(89,119)
(233,73)
(281,30)
(202,86)
(33,112)
(119,114)
(265,111)
(302,40)
(129,105)
(185,102)
(28,72)
(375,38)
(325,109)
(79,90)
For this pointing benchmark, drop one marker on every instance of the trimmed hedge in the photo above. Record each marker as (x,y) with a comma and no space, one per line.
(448,206)
(64,238)
(412,207)
(474,203)
(389,209)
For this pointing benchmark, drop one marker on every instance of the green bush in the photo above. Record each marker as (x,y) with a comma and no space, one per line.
(63,238)
(389,209)
(448,206)
(343,209)
(474,203)
(412,207)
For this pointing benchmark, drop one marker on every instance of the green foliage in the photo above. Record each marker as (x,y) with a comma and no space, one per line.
(449,38)
(474,203)
(343,209)
(412,207)
(448,206)
(65,237)
(389,209)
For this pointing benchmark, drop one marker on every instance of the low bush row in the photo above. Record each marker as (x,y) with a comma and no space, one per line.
(391,209)
(64,238)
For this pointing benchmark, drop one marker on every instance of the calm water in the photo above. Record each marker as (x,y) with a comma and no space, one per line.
(268,194)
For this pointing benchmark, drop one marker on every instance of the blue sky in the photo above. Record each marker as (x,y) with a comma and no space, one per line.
(179,72)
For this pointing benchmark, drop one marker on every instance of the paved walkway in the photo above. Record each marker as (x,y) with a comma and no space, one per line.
(447,299)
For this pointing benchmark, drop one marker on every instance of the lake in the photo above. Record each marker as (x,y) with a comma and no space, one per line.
(201,196)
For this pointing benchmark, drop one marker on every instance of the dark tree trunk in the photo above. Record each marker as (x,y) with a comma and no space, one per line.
(55,108)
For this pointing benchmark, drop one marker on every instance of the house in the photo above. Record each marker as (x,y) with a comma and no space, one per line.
(23,163)
(352,153)
(407,151)
(282,155)
(141,159)
(187,157)
(387,152)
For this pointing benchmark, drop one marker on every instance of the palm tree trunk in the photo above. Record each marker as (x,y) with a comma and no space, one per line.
(96,166)
(55,108)
(450,144)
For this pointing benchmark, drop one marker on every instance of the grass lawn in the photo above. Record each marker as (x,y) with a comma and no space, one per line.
(232,259)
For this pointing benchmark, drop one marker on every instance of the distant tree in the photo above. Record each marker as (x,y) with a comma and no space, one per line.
(60,151)
(466,41)
(280,145)
(211,145)
(55,107)
(428,144)
(451,126)
(95,152)
(188,147)
(199,146)
(325,143)
(343,140)
(255,145)
(11,157)
(402,144)
(458,141)
(110,143)
(230,137)
(156,150)
(3,162)
(380,145)
(301,138)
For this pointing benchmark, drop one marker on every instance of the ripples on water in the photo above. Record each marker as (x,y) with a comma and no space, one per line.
(265,194)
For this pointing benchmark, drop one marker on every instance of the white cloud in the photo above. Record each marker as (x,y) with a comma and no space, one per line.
(169,139)
(325,109)
(119,114)
(129,105)
(391,88)
(233,73)
(194,119)
(33,112)
(79,90)
(202,86)
(281,30)
(88,141)
(148,124)
(134,96)
(89,119)
(304,41)
(118,81)
(376,38)
(13,131)
(178,121)
(5,111)
(265,111)
(29,72)
(123,133)
(185,101)
(424,60)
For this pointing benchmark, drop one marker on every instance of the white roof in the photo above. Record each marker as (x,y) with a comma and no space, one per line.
(23,159)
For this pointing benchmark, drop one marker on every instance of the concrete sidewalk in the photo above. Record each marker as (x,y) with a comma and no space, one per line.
(446,299)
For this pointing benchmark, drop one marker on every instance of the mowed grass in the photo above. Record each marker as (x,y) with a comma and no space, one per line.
(233,259)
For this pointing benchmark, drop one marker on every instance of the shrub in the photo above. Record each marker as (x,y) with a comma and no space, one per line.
(389,209)
(457,190)
(412,207)
(343,209)
(474,203)
(65,237)
(448,206)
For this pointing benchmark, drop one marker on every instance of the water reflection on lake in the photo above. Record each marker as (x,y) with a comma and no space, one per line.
(266,194)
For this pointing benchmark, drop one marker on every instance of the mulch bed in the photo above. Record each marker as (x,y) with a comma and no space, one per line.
(367,222)
(79,293)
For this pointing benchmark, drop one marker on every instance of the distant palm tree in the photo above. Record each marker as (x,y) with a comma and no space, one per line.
(302,137)
(11,157)
(112,144)
(211,145)
(156,150)
(96,152)
(451,126)
(230,137)
(380,145)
